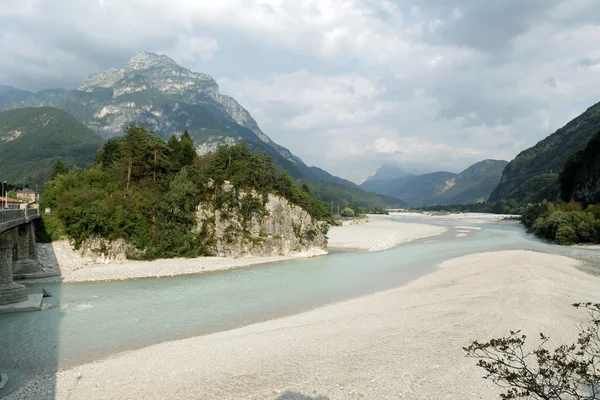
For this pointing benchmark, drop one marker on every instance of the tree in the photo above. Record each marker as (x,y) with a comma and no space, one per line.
(569,372)
(188,152)
(347,212)
(109,153)
(58,169)
(136,151)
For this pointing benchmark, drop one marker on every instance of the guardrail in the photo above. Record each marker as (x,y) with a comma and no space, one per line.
(11,215)
(12,218)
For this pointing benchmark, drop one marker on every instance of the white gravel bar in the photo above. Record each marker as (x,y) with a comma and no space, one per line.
(404,343)
(74,270)
(380,233)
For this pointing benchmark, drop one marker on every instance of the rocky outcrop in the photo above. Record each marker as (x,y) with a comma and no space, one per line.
(101,251)
(280,228)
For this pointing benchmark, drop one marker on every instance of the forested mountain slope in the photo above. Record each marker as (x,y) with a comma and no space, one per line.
(32,139)
(532,175)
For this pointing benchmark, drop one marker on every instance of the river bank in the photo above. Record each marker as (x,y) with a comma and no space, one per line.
(379,233)
(400,343)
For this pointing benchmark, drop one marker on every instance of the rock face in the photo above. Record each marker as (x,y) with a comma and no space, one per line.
(282,229)
(102,251)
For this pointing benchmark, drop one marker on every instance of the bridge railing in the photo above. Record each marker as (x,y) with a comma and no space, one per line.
(32,212)
(11,215)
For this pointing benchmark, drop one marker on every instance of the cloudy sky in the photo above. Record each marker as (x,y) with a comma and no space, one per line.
(345,84)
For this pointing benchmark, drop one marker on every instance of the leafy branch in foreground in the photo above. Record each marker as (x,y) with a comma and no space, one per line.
(568,372)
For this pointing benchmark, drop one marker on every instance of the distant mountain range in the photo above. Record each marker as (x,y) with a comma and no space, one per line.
(533,175)
(471,185)
(32,139)
(169,99)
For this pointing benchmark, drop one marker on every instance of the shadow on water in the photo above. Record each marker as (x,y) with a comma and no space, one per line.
(300,396)
(30,346)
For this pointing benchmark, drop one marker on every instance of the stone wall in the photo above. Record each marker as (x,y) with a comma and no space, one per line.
(284,228)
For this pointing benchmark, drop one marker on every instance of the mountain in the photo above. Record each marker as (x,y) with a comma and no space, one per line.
(169,99)
(9,94)
(32,139)
(580,178)
(384,175)
(387,171)
(422,189)
(154,90)
(335,192)
(532,175)
(474,184)
(471,185)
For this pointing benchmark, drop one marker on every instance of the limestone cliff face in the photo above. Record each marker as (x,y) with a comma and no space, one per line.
(281,228)
(97,250)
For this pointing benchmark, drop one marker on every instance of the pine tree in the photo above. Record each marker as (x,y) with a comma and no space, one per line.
(58,169)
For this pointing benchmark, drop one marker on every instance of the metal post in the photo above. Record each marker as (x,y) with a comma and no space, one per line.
(5,197)
(3,193)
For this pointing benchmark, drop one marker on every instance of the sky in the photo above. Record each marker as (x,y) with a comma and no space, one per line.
(346,85)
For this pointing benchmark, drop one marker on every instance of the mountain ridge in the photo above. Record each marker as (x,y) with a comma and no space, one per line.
(532,175)
(475,183)
(32,139)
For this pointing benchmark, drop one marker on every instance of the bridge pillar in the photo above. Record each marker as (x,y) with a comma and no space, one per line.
(10,292)
(26,261)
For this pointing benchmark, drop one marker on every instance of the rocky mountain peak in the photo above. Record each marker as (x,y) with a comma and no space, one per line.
(147,70)
(389,171)
(146,60)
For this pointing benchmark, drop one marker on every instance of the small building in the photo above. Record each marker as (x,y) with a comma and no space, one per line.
(27,195)
(6,203)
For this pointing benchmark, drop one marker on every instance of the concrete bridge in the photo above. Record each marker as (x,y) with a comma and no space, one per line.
(18,253)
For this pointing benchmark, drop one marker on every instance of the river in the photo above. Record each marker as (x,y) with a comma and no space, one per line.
(94,320)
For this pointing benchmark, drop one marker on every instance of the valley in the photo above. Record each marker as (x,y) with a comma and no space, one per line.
(299,200)
(235,302)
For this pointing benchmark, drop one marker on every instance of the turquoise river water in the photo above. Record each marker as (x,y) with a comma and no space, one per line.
(93,320)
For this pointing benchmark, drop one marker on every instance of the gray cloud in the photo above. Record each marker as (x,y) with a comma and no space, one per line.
(347,85)
(551,82)
(589,62)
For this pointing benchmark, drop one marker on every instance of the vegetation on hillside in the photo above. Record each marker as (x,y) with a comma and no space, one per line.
(33,139)
(580,178)
(496,207)
(146,191)
(334,194)
(546,157)
(564,223)
(575,219)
